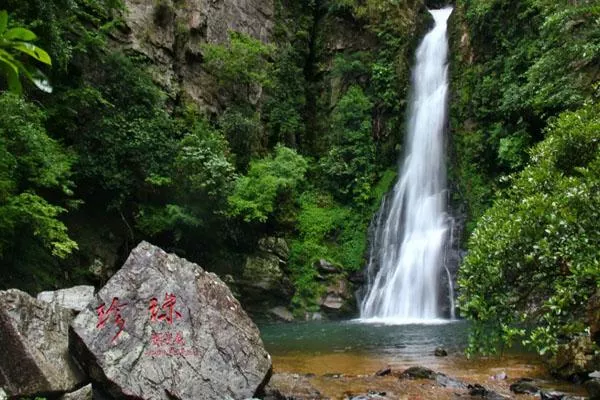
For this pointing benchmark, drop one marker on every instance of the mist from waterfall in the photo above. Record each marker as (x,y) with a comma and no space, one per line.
(407,254)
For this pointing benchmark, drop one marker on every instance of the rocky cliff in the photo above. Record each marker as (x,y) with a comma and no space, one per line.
(169,34)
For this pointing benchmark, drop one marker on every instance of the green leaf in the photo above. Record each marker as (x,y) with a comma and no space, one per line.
(20,34)
(7,63)
(3,21)
(34,52)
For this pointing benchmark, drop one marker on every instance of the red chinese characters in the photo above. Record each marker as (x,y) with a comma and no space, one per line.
(115,311)
(168,307)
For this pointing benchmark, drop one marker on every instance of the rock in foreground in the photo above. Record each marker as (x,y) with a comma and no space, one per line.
(75,298)
(34,354)
(163,328)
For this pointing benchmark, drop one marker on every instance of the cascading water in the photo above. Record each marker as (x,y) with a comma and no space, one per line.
(407,254)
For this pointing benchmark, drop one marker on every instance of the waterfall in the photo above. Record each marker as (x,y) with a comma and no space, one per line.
(407,259)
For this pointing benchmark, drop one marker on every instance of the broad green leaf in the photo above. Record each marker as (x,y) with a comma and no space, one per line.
(34,52)
(8,62)
(3,21)
(14,84)
(38,78)
(20,34)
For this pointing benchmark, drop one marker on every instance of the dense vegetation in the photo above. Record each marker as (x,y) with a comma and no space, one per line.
(300,147)
(526,126)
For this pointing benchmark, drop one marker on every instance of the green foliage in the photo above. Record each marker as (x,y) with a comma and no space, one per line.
(511,79)
(239,65)
(327,230)
(349,164)
(117,123)
(241,126)
(533,258)
(285,123)
(255,195)
(16,41)
(195,190)
(34,169)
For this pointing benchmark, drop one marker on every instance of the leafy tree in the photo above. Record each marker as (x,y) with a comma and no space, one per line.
(240,66)
(195,190)
(349,164)
(255,195)
(15,41)
(35,184)
(534,257)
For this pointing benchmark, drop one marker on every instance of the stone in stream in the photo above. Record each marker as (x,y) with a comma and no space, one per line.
(34,355)
(557,396)
(163,328)
(75,298)
(524,386)
(477,390)
(384,372)
(440,352)
(282,313)
(593,388)
(442,380)
(290,387)
(418,372)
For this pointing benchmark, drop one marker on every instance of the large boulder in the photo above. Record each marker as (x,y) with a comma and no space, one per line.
(574,360)
(75,298)
(163,328)
(34,355)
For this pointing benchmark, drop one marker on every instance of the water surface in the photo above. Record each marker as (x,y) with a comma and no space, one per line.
(342,357)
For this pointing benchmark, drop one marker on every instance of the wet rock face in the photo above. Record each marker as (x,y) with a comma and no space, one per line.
(75,298)
(34,354)
(164,328)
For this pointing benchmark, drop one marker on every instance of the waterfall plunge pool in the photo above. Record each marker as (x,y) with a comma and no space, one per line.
(341,357)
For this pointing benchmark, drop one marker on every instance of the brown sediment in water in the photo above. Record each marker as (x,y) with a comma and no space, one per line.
(337,375)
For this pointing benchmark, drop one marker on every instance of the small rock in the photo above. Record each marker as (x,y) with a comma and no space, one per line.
(327,267)
(275,245)
(383,371)
(357,277)
(418,373)
(524,386)
(314,316)
(499,377)
(593,388)
(85,393)
(557,396)
(595,374)
(440,352)
(75,298)
(290,386)
(282,313)
(448,382)
(332,301)
(477,390)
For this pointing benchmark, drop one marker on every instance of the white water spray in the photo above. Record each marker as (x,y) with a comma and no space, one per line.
(404,274)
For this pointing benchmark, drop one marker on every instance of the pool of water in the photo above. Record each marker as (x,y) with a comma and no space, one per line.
(409,342)
(343,356)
